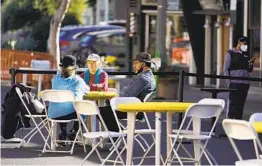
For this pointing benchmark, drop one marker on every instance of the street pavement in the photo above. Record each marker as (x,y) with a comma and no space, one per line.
(220,148)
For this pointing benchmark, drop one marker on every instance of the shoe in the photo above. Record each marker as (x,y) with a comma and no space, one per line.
(62,137)
(72,135)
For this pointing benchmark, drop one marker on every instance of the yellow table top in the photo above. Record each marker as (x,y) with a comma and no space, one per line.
(154,107)
(98,95)
(258,126)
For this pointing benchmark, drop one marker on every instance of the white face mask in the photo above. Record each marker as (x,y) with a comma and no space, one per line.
(243,48)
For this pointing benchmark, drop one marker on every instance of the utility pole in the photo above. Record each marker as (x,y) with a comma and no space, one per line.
(161,31)
(260,58)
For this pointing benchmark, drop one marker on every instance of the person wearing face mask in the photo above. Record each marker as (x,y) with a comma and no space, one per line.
(139,87)
(238,64)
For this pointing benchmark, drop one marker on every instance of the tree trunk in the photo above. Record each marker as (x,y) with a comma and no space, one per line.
(55,24)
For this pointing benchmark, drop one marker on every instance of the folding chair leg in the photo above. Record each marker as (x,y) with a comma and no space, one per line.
(185,150)
(81,132)
(40,126)
(72,148)
(204,152)
(169,153)
(110,154)
(143,140)
(49,135)
(22,142)
(140,144)
(94,148)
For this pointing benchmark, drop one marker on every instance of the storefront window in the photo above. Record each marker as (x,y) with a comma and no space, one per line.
(178,48)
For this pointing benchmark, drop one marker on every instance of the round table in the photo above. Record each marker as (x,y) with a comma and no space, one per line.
(99,95)
(157,107)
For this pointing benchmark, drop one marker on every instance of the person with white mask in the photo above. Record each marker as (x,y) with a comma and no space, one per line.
(238,64)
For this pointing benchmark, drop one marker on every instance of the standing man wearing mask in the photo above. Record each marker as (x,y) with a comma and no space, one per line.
(238,64)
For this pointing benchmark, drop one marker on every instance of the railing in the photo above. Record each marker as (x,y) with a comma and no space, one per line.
(181,75)
(15,59)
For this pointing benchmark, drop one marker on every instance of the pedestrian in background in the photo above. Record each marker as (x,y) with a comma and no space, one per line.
(238,64)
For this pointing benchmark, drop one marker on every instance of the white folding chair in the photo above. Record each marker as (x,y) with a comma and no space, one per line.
(138,132)
(90,108)
(242,130)
(256,117)
(202,101)
(58,96)
(197,111)
(112,90)
(37,126)
(149,97)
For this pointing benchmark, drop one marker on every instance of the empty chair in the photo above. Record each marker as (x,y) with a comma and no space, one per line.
(242,130)
(196,112)
(90,108)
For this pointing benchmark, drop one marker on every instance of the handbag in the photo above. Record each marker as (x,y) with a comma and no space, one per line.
(39,107)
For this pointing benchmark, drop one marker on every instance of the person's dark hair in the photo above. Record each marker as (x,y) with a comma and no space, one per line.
(148,64)
(68,71)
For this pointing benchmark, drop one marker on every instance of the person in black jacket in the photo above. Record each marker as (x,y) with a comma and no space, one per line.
(238,64)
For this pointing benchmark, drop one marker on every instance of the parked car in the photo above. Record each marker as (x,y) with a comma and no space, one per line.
(69,36)
(104,43)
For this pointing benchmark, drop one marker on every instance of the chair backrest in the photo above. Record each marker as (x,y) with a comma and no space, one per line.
(204,111)
(150,96)
(86,107)
(256,117)
(201,111)
(213,101)
(241,130)
(121,100)
(112,90)
(58,96)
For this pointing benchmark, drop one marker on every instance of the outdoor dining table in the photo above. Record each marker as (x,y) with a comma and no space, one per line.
(158,108)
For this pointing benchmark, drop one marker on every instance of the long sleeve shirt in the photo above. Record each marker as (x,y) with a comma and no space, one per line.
(234,73)
(76,85)
(140,86)
(103,81)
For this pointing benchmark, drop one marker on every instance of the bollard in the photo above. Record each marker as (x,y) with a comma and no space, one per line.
(180,94)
